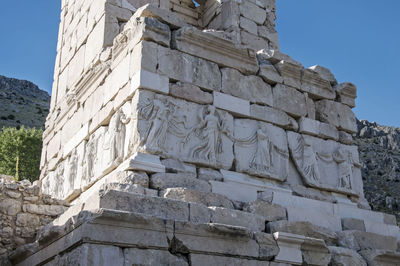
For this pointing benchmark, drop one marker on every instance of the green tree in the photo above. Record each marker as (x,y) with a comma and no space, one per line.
(20,151)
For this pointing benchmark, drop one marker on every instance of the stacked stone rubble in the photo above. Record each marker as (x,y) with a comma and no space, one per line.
(23,210)
(192,116)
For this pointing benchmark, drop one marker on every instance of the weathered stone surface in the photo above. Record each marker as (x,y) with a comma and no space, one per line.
(353,224)
(274,116)
(343,256)
(202,259)
(304,228)
(215,238)
(289,248)
(289,100)
(381,257)
(220,48)
(10,206)
(51,210)
(190,92)
(270,212)
(161,14)
(316,86)
(208,199)
(337,115)
(315,252)
(269,73)
(231,104)
(253,12)
(155,206)
(150,29)
(208,174)
(134,256)
(132,177)
(250,88)
(312,193)
(347,93)
(199,213)
(175,64)
(324,73)
(290,72)
(238,218)
(176,166)
(268,246)
(358,240)
(169,180)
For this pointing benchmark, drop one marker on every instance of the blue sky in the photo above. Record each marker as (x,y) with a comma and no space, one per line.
(359,40)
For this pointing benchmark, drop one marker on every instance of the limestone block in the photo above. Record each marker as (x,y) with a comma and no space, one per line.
(312,193)
(389,219)
(337,114)
(235,191)
(253,12)
(335,167)
(134,256)
(150,29)
(347,93)
(274,56)
(261,149)
(353,224)
(27,220)
(50,210)
(144,162)
(304,228)
(345,138)
(268,246)
(290,72)
(164,15)
(269,34)
(381,257)
(254,42)
(190,92)
(269,73)
(182,130)
(231,104)
(92,254)
(289,100)
(328,131)
(237,218)
(318,218)
(199,213)
(358,240)
(316,128)
(151,81)
(154,206)
(10,206)
(187,68)
(250,88)
(324,73)
(289,248)
(315,252)
(208,174)
(316,86)
(175,166)
(272,115)
(248,25)
(344,256)
(202,259)
(144,56)
(347,211)
(216,238)
(205,198)
(169,180)
(270,212)
(219,48)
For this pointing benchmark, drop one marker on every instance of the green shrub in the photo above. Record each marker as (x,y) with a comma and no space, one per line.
(20,151)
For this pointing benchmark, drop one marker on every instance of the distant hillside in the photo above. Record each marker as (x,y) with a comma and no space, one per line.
(22,103)
(379,148)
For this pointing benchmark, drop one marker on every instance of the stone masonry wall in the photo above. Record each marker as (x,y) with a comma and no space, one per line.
(23,210)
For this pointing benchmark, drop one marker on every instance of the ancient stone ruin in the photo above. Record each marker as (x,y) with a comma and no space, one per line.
(181,135)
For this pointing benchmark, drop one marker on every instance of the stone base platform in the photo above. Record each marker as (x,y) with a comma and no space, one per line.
(120,227)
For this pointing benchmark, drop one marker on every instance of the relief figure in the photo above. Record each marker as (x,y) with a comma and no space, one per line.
(345,162)
(117,132)
(306,160)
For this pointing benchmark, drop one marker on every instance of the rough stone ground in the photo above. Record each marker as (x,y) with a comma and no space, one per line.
(379,148)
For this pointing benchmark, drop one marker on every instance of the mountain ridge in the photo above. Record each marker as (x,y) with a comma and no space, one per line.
(22,103)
